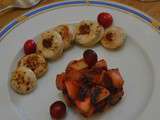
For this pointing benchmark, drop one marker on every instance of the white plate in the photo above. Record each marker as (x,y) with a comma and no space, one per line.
(138,61)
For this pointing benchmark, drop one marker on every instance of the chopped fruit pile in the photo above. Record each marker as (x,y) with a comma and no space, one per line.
(89,86)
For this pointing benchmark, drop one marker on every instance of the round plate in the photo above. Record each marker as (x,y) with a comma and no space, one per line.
(138,62)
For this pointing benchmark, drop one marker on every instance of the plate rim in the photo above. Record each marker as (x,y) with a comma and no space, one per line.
(137,13)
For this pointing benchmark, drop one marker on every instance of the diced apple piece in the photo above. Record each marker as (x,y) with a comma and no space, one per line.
(116,77)
(95,75)
(84,106)
(101,64)
(96,79)
(104,93)
(77,65)
(60,81)
(115,98)
(72,88)
(89,113)
(73,75)
(98,94)
(106,80)
(84,91)
(101,105)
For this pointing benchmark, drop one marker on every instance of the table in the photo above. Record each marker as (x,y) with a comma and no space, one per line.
(151,8)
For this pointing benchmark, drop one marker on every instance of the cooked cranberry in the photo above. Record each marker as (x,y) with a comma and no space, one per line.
(29,47)
(57,110)
(90,57)
(105,19)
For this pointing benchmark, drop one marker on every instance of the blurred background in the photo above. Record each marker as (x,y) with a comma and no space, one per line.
(151,7)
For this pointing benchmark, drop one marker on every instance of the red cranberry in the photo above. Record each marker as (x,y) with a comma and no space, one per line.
(29,47)
(105,19)
(57,110)
(90,57)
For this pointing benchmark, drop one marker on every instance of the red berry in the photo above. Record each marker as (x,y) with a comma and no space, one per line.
(57,110)
(90,57)
(29,47)
(105,19)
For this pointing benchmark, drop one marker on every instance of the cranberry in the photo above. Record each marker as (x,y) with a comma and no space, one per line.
(105,19)
(29,47)
(57,110)
(90,57)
